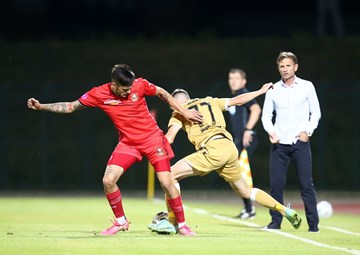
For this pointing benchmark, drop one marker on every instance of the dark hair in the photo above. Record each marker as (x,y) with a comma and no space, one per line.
(238,70)
(122,74)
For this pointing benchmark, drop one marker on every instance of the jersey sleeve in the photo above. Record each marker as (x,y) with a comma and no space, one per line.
(175,120)
(89,99)
(149,88)
(222,103)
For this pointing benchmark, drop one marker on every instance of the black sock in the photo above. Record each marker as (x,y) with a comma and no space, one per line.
(248,204)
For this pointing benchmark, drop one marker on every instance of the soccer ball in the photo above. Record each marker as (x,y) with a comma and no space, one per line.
(161,225)
(160,216)
(325,209)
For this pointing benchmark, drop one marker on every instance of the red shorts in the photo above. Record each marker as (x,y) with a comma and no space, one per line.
(157,150)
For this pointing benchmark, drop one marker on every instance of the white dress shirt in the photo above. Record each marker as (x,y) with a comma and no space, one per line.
(297,110)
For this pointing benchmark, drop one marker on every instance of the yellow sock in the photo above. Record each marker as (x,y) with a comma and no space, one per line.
(266,200)
(280,208)
(172,218)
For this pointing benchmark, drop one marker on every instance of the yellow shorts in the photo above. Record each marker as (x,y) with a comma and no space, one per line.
(220,155)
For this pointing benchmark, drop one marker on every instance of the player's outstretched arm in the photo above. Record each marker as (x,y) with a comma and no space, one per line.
(191,115)
(172,132)
(60,107)
(246,97)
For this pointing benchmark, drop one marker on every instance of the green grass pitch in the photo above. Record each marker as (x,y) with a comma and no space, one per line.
(71,225)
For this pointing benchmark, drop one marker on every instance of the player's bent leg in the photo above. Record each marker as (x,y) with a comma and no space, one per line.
(110,178)
(180,170)
(174,201)
(167,184)
(241,188)
(113,195)
(263,198)
(171,215)
(266,200)
(172,196)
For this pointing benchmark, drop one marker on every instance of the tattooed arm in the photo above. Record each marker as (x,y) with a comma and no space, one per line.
(191,115)
(61,107)
(167,98)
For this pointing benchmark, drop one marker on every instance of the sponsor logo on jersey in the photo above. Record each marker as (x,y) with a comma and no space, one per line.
(134,97)
(85,96)
(159,151)
(112,102)
(204,128)
(192,101)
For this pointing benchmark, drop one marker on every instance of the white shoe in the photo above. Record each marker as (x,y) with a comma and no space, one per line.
(247,215)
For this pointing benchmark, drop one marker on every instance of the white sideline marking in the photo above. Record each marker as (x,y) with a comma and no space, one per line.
(201,211)
(305,240)
(246,223)
(341,230)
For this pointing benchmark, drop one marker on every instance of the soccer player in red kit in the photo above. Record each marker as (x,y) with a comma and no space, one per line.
(123,101)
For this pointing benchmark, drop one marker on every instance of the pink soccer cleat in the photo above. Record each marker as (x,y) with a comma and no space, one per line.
(116,227)
(186,231)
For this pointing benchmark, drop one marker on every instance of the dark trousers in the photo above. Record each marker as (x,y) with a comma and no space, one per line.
(300,155)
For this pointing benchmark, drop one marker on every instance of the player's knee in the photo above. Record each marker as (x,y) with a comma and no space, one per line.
(175,176)
(108,182)
(167,185)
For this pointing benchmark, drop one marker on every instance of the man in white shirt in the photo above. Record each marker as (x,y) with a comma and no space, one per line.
(297,109)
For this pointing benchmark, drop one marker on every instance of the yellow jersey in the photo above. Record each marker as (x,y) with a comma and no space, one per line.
(213,120)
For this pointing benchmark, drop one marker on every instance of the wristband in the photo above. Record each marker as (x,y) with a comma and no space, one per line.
(251,131)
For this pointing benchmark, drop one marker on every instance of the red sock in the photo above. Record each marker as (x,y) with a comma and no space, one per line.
(177,207)
(115,201)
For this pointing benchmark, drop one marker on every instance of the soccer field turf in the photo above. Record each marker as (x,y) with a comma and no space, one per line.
(71,225)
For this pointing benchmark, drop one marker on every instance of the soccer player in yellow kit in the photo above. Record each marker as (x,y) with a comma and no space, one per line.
(215,149)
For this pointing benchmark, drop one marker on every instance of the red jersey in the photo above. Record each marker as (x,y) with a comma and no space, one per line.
(130,115)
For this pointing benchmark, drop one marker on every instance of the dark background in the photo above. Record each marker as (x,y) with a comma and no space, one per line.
(38,19)
(57,50)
